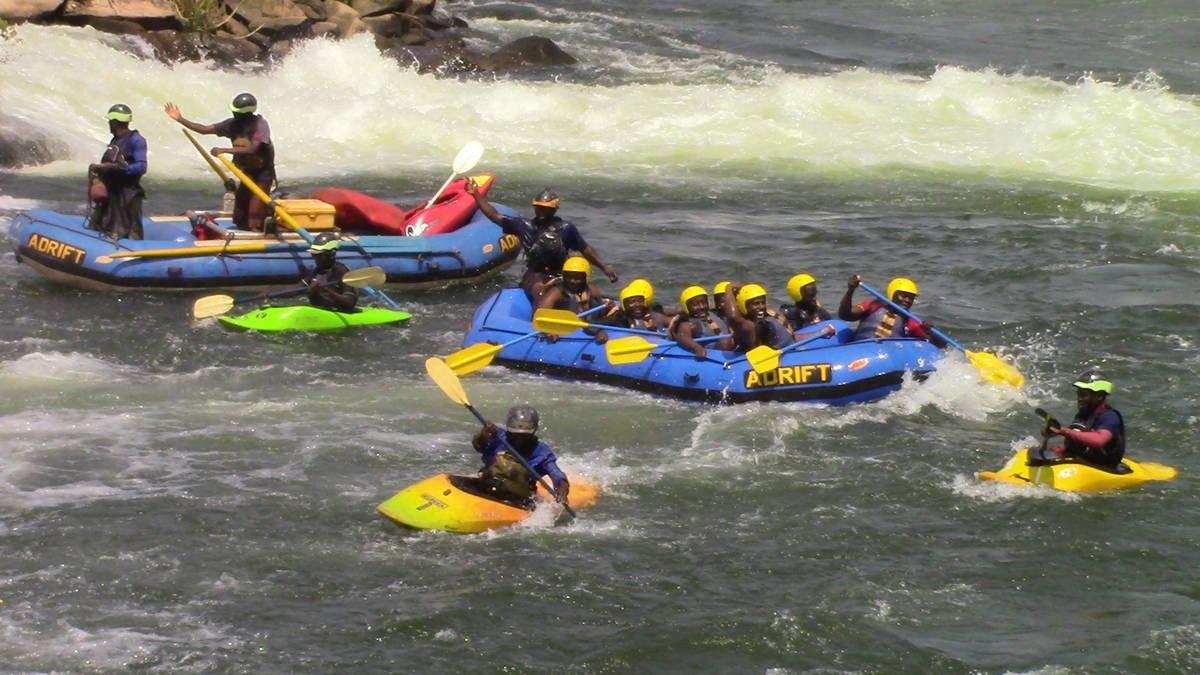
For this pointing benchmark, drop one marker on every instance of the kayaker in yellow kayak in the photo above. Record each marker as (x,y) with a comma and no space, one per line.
(506,476)
(325,287)
(1097,434)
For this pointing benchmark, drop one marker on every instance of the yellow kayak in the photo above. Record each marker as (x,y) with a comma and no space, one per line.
(459,504)
(1076,477)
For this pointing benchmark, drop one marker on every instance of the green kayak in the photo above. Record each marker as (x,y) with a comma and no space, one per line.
(313,319)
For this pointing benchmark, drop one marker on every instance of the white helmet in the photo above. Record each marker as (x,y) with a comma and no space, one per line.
(522,419)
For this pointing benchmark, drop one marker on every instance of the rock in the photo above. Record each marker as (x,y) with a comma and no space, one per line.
(373,7)
(23,145)
(150,14)
(16,11)
(271,16)
(533,51)
(346,21)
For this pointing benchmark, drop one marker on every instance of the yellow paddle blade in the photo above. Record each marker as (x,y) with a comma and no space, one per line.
(763,359)
(557,321)
(367,276)
(994,370)
(446,380)
(631,349)
(211,305)
(472,358)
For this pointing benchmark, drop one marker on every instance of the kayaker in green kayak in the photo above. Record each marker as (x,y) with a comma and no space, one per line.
(324,281)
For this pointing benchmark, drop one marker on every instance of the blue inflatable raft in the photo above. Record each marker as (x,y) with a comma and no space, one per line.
(196,251)
(832,371)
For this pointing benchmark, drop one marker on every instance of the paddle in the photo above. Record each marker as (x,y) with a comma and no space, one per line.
(635,348)
(229,249)
(563,322)
(214,305)
(464,161)
(452,387)
(279,211)
(764,359)
(230,186)
(480,354)
(990,366)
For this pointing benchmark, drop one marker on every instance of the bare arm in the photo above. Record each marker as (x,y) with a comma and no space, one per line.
(173,112)
(484,206)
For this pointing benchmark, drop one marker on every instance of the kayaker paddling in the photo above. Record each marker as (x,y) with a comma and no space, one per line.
(508,477)
(324,280)
(1096,435)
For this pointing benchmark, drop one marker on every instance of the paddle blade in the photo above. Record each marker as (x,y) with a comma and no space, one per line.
(632,349)
(367,276)
(763,359)
(211,305)
(468,157)
(472,358)
(995,370)
(557,321)
(446,380)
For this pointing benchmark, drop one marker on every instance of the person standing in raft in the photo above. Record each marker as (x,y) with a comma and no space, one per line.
(806,309)
(505,475)
(1097,434)
(119,195)
(546,239)
(252,152)
(752,322)
(877,320)
(324,281)
(572,291)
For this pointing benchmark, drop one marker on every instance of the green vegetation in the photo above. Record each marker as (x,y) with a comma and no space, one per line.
(201,16)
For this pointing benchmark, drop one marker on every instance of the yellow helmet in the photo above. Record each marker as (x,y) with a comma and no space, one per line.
(647,289)
(578,264)
(748,293)
(634,290)
(719,289)
(690,293)
(798,282)
(901,284)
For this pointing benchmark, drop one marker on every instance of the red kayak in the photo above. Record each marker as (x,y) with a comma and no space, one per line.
(357,211)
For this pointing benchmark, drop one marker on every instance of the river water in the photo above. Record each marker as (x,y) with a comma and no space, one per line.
(177,498)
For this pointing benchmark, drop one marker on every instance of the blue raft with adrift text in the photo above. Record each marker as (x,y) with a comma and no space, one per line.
(829,371)
(201,250)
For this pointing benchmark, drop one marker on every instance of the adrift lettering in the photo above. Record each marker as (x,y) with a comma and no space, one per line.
(812,373)
(56,248)
(509,241)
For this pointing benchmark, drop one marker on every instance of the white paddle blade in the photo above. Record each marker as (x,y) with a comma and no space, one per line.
(468,157)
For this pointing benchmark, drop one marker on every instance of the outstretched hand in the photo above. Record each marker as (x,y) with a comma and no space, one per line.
(172,111)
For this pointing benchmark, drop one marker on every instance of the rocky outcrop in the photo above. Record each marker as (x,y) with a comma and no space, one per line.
(23,145)
(237,32)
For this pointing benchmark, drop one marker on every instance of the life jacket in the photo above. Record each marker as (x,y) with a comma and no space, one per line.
(508,477)
(652,321)
(242,132)
(713,325)
(1111,453)
(774,331)
(547,252)
(799,316)
(881,322)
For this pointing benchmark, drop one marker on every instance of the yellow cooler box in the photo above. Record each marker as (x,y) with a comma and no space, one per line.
(310,214)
